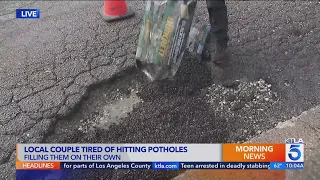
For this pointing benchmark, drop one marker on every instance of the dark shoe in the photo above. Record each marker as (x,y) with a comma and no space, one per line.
(220,55)
(214,52)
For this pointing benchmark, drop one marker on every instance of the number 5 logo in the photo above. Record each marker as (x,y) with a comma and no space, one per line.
(294,149)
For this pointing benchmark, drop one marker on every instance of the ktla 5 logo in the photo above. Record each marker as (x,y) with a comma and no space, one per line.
(294,152)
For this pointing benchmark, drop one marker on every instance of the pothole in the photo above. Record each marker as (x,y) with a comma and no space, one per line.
(106,105)
(189,109)
(113,112)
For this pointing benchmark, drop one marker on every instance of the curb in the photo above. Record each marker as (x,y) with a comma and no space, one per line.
(305,126)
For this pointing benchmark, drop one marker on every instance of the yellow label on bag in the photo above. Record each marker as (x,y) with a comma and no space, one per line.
(165,39)
(147,31)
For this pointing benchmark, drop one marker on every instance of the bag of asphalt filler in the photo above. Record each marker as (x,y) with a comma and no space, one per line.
(164,36)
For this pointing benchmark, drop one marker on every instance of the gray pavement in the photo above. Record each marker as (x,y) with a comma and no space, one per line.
(305,126)
(47,66)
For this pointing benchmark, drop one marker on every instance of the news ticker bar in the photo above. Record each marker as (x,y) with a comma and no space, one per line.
(161,165)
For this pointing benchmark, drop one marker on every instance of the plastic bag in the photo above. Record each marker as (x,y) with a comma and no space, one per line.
(164,36)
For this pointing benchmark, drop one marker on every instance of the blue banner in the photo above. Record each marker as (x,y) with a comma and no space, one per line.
(286,166)
(165,166)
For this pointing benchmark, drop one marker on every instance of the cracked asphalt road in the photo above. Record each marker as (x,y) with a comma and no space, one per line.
(47,65)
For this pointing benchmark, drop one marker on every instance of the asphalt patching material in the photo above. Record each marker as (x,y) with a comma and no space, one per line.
(249,107)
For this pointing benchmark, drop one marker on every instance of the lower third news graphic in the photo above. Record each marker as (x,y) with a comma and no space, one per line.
(59,160)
